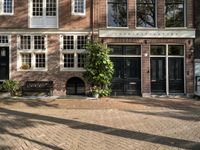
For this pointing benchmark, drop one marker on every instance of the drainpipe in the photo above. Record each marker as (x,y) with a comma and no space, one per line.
(92,19)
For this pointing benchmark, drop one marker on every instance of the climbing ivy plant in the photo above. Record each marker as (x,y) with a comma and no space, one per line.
(99,67)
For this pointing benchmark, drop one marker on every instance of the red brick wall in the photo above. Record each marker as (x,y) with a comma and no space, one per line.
(53,73)
(69,21)
(19,19)
(102,11)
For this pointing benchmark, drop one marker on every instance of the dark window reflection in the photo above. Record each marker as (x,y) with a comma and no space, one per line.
(174,13)
(125,49)
(117,13)
(158,50)
(176,50)
(146,13)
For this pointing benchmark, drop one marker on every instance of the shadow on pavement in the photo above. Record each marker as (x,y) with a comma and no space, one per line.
(174,142)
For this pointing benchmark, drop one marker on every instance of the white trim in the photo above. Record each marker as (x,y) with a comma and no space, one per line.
(2,13)
(162,33)
(32,31)
(78,13)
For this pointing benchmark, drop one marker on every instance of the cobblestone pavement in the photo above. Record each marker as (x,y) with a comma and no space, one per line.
(107,124)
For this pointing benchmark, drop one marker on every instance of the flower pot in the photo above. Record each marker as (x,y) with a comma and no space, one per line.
(96,95)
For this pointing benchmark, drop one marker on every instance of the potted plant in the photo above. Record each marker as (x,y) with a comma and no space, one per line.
(99,68)
(95,92)
(25,66)
(11,86)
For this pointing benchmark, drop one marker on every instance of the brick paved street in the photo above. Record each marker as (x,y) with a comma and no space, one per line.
(107,124)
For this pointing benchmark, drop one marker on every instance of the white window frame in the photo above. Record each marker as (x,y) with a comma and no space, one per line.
(78,13)
(74,51)
(33,53)
(30,12)
(2,8)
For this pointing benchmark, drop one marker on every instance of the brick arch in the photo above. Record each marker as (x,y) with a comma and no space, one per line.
(75,86)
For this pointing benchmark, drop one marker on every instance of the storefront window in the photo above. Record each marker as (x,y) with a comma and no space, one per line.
(177,50)
(158,50)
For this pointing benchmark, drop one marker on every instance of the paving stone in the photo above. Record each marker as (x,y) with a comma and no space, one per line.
(166,124)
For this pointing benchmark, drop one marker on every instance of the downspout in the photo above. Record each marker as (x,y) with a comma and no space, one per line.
(92,19)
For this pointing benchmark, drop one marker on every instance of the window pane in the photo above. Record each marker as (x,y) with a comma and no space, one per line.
(51,8)
(81,42)
(26,61)
(158,50)
(116,49)
(132,50)
(68,60)
(8,6)
(125,49)
(81,60)
(68,42)
(174,13)
(176,50)
(25,43)
(40,60)
(117,13)
(3,39)
(146,13)
(39,43)
(79,6)
(37,7)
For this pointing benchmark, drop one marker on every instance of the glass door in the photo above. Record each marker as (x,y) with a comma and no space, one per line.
(158,75)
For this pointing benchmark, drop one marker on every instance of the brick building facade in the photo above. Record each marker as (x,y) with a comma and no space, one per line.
(152,43)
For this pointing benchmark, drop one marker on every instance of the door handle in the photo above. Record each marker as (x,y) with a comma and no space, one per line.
(153,80)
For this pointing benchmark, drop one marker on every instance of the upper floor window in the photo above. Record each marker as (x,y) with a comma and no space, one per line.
(6,7)
(78,7)
(43,14)
(146,15)
(117,13)
(174,13)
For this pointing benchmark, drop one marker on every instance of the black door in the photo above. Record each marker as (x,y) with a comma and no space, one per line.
(75,86)
(4,63)
(127,76)
(176,75)
(158,75)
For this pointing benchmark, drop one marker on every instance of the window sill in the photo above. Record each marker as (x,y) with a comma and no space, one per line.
(117,27)
(11,14)
(32,70)
(72,69)
(79,14)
